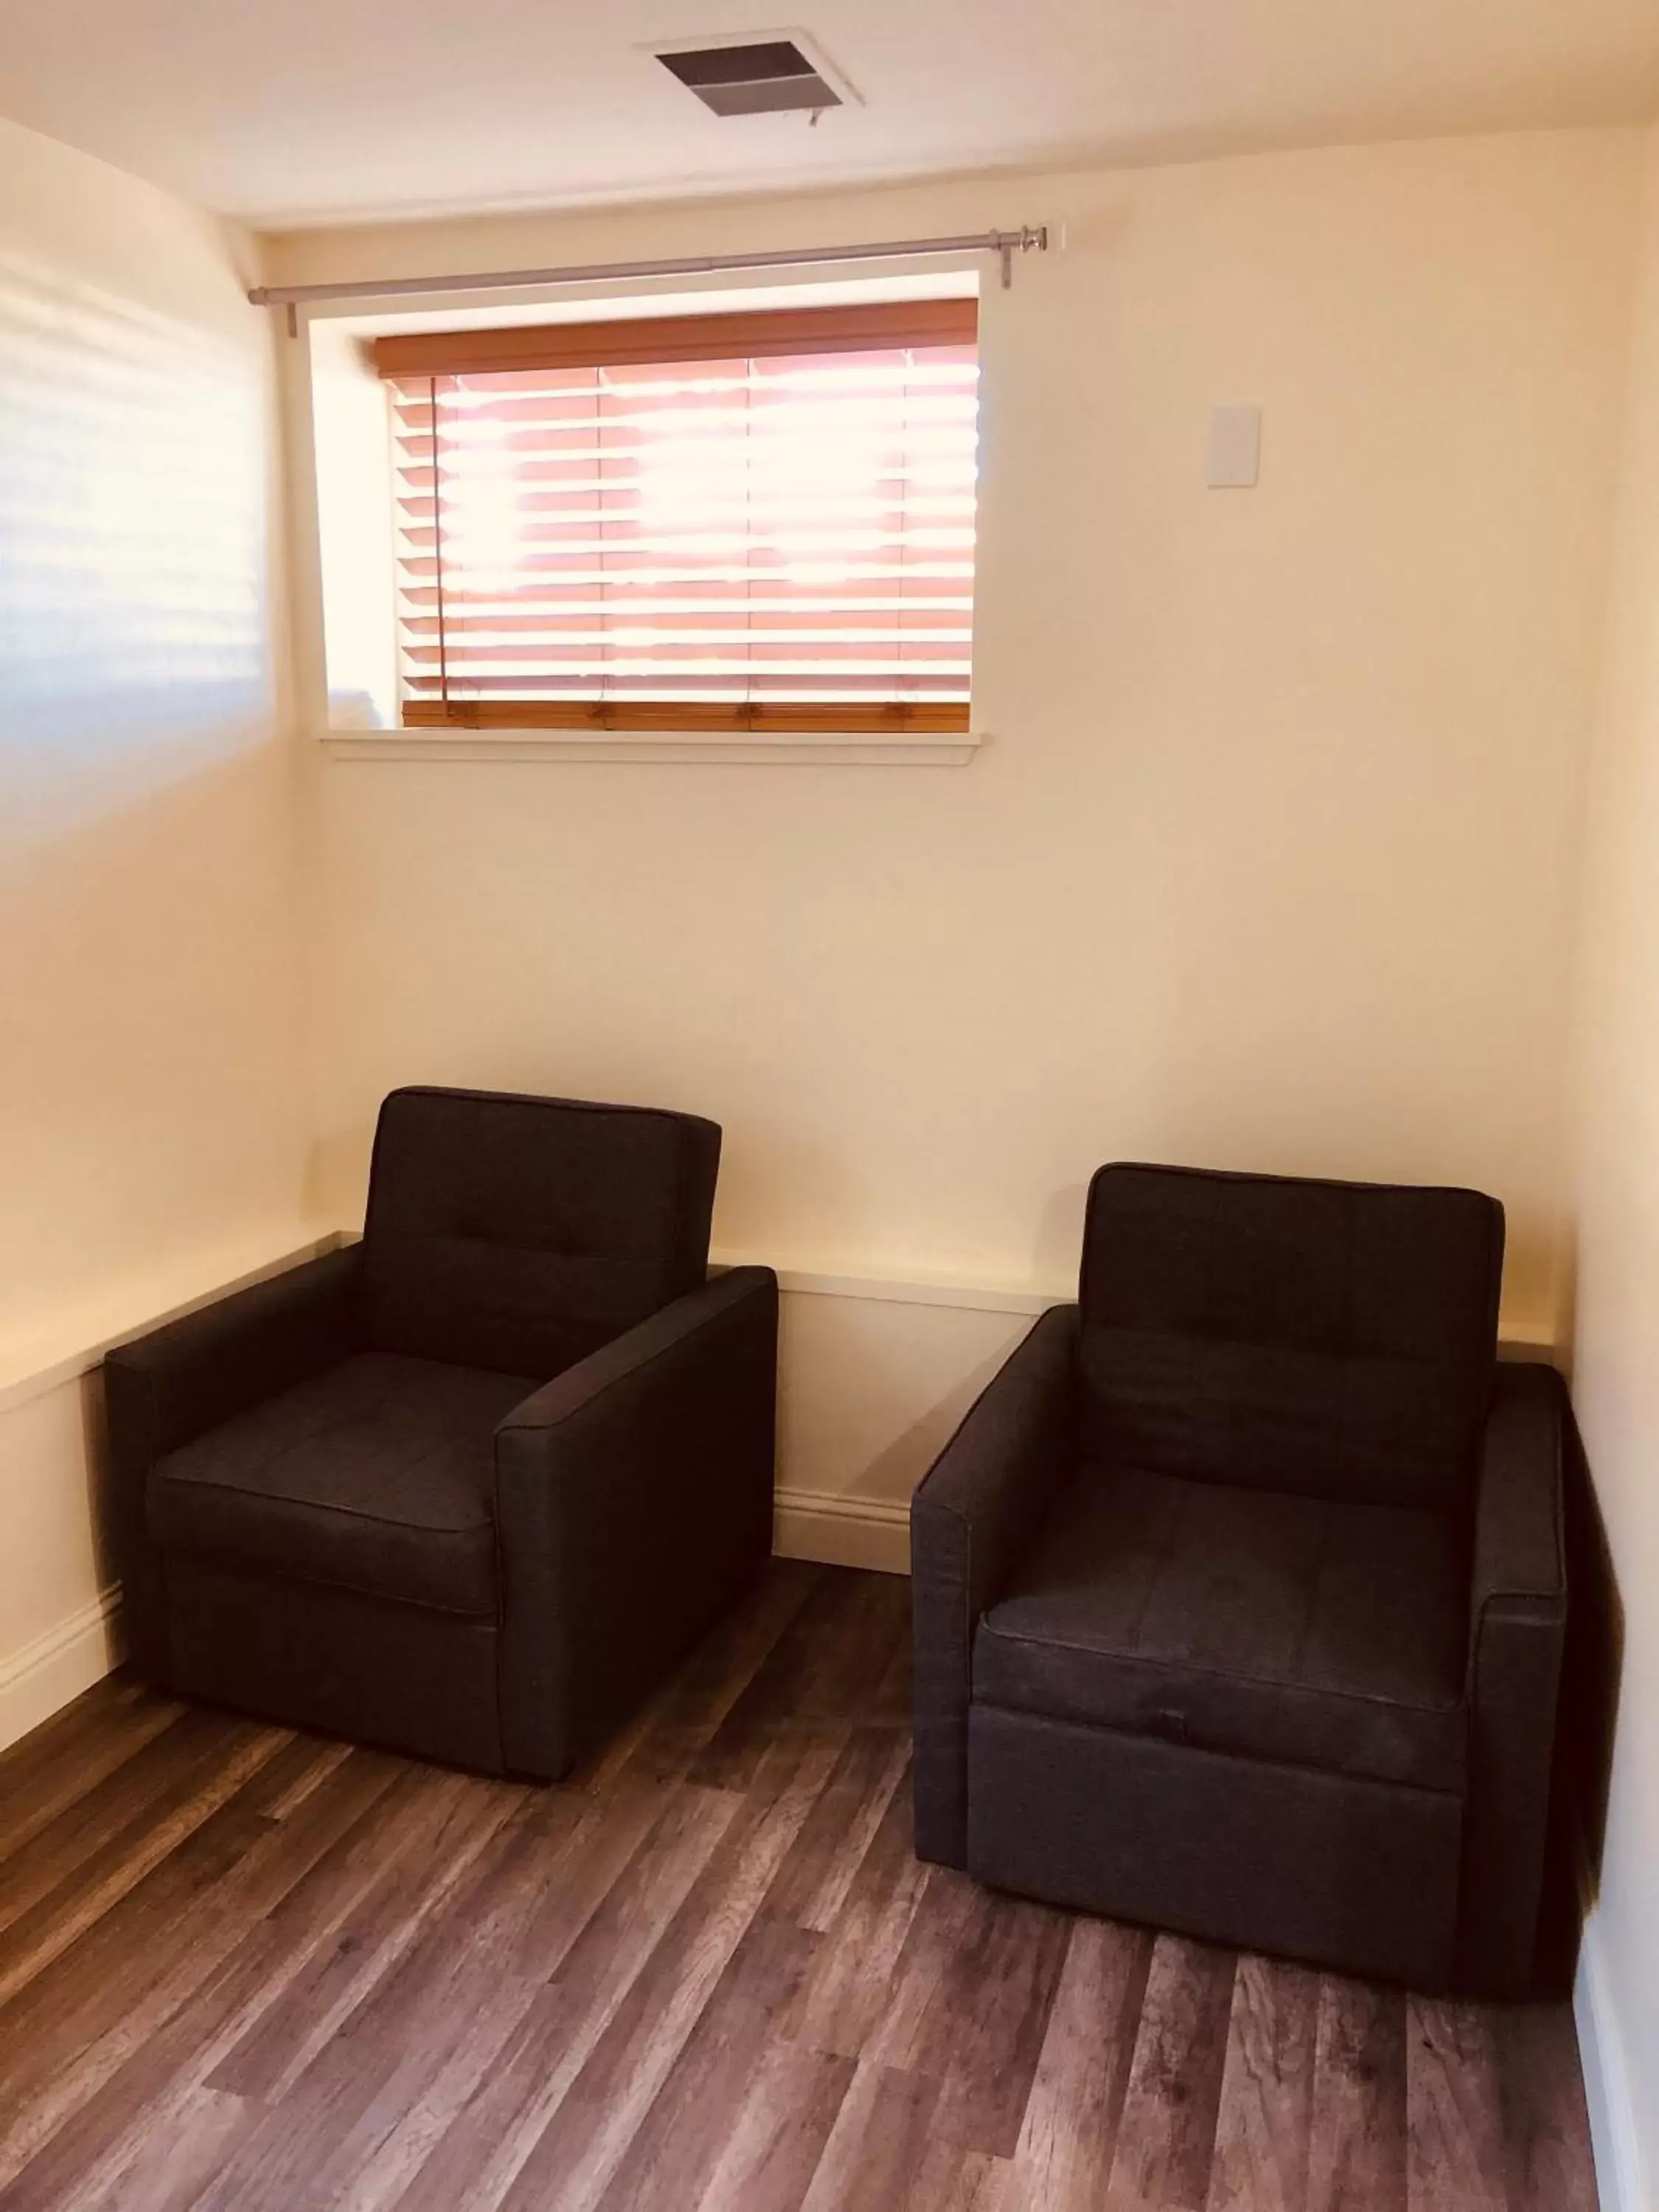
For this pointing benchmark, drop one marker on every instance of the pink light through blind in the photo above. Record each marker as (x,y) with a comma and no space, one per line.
(787,531)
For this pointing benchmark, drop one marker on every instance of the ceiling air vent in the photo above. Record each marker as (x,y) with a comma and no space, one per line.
(769,78)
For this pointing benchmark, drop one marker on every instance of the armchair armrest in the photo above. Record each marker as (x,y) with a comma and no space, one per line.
(1520,1560)
(200,1370)
(1517,1628)
(972,1516)
(634,1498)
(165,1388)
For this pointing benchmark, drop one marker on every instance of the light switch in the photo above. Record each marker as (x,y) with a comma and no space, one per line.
(1235,449)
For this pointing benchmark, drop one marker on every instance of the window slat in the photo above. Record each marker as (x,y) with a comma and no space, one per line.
(782,534)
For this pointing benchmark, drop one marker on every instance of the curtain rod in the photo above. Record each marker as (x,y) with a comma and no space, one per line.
(1003,243)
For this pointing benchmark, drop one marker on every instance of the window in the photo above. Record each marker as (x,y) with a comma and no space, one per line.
(754,522)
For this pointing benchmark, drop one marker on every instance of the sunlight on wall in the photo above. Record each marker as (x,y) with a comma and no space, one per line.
(133,637)
(150,1033)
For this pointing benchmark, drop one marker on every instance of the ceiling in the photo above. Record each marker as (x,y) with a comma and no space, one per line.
(288,111)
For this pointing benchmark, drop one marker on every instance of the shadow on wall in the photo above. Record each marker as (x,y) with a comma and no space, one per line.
(1586,1724)
(1058,1248)
(98,1476)
(896,1472)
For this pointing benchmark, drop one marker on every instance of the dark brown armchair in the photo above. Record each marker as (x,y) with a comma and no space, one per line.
(1239,1595)
(469,1487)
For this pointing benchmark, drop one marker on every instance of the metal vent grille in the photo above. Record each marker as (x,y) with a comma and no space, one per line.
(772,77)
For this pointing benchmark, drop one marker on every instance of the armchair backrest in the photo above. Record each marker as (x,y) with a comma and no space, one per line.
(1332,1338)
(523,1233)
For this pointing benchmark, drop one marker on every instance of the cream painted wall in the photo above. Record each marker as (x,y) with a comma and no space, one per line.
(1270,859)
(151,1101)
(151,1090)
(1616,1344)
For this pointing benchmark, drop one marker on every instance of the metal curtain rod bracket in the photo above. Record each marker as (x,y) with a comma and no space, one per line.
(1004,244)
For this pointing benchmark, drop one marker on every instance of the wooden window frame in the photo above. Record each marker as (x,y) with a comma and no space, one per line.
(645,342)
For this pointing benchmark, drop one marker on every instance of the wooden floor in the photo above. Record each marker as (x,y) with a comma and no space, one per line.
(244,1968)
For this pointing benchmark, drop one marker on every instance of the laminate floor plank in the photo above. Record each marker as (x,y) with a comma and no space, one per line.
(168,2167)
(810,1887)
(469,1985)
(69,1852)
(82,1729)
(1264,2126)
(1454,2113)
(427,1844)
(572,2160)
(1548,2162)
(243,1969)
(1356,2150)
(829,1664)
(149,1844)
(91,2045)
(339,2076)
(895,2029)
(984,2030)
(292,1892)
(678,2143)
(891,1700)
(848,1676)
(85,1720)
(847,1995)
(73,1957)
(679,1722)
(72,1757)
(1069,2135)
(1167,2128)
(878,2147)
(496,2122)
(775,2138)
(951,2179)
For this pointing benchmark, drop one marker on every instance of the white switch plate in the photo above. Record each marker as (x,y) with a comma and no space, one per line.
(1235,449)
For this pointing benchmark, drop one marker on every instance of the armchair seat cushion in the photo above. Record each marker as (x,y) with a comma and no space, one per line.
(376,1474)
(1311,1631)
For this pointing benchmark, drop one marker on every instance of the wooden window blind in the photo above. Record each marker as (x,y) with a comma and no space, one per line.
(753,522)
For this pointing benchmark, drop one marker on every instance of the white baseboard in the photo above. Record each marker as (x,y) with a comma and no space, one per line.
(1620,2175)
(46,1674)
(843,1532)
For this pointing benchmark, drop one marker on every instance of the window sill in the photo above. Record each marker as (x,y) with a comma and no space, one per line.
(852,749)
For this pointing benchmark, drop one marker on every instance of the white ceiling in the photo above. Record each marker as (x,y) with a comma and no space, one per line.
(286,111)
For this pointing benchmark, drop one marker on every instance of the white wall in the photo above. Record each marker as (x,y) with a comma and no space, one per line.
(1616,1350)
(151,1092)
(1270,861)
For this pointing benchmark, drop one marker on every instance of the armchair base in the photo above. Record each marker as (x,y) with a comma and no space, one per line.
(1358,1874)
(408,1678)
